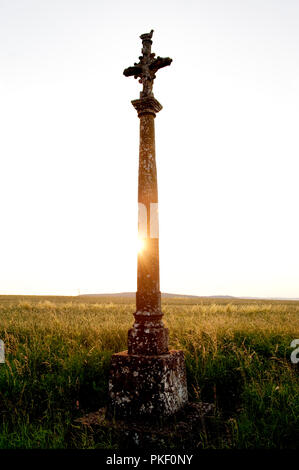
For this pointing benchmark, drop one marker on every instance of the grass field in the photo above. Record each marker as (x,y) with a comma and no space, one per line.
(57,361)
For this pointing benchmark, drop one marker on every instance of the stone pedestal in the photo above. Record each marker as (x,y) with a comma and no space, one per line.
(195,425)
(147,386)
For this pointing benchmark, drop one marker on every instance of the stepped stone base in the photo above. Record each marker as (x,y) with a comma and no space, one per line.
(147,386)
(191,428)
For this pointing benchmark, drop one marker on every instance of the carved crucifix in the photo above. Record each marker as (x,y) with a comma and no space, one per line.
(148,66)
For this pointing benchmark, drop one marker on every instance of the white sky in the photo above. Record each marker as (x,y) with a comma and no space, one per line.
(226,141)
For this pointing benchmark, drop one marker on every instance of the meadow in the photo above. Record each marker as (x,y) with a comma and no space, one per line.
(237,354)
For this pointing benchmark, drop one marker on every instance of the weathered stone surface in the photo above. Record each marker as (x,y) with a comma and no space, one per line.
(146,340)
(147,386)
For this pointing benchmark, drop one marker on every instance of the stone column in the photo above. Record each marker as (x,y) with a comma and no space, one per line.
(148,335)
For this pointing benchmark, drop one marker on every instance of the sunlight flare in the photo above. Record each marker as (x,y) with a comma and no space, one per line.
(140,245)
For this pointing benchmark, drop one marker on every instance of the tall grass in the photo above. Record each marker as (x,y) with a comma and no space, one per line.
(58,353)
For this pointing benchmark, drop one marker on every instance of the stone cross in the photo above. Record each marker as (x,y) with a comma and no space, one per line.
(147,380)
(148,66)
(148,335)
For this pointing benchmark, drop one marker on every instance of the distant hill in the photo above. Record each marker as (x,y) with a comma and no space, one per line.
(165,295)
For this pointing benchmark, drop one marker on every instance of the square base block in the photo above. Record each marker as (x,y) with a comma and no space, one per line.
(147,386)
(144,341)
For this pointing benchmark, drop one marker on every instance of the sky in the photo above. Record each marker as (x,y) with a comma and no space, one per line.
(227,145)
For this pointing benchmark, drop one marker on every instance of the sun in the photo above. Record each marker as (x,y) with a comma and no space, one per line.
(140,245)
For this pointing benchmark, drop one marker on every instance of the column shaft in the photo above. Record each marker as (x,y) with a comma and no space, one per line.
(148,276)
(148,335)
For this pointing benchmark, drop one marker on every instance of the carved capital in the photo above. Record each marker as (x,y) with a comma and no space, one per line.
(148,105)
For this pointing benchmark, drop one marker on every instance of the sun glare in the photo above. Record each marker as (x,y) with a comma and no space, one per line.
(140,245)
